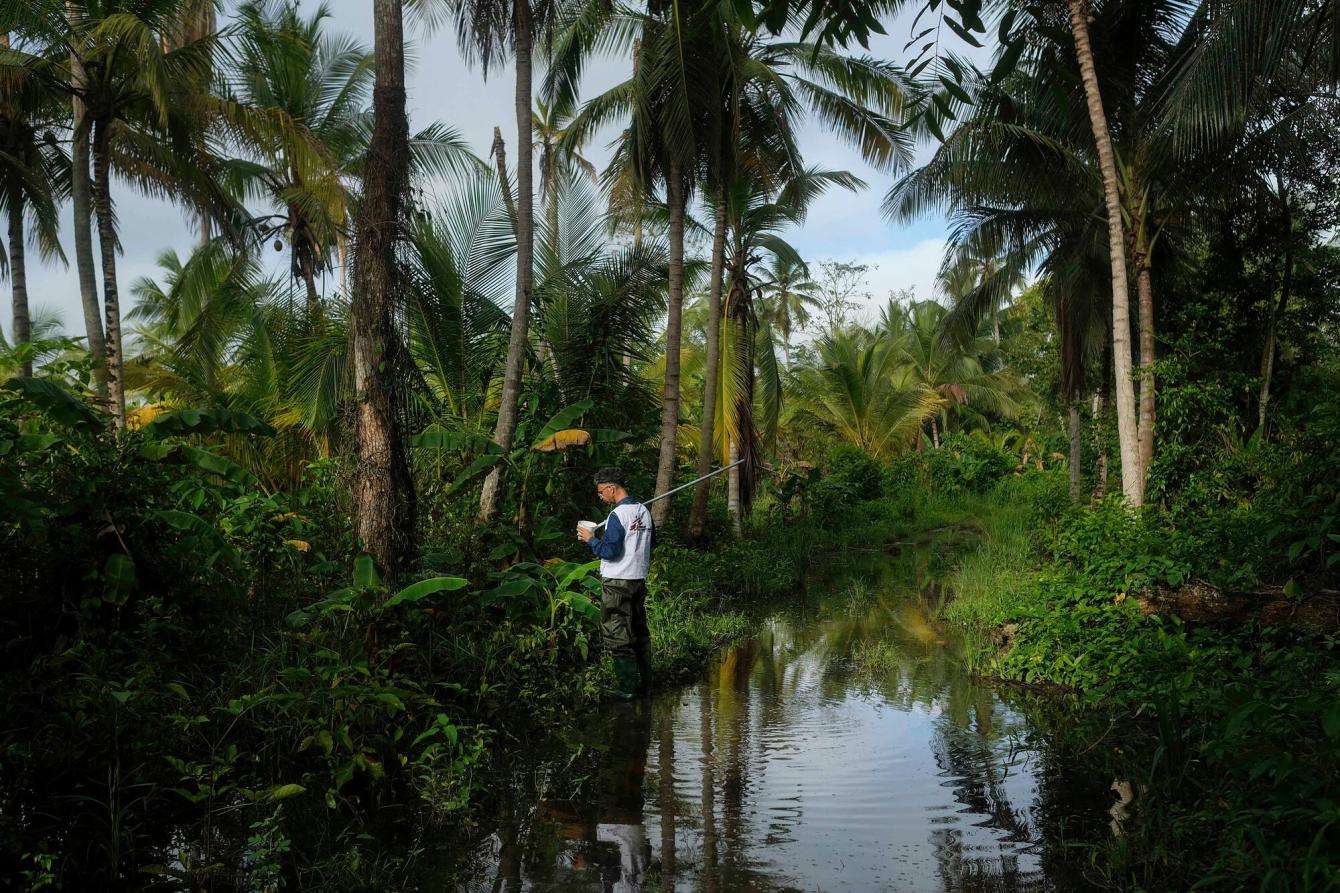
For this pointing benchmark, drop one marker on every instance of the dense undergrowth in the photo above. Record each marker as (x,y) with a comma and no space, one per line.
(204,684)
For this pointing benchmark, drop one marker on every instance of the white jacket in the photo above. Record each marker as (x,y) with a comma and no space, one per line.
(624,548)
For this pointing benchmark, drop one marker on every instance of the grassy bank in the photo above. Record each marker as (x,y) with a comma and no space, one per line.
(1229,734)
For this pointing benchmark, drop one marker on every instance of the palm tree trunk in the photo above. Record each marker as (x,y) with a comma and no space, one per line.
(1132,480)
(665,469)
(18,278)
(711,382)
(80,189)
(1268,348)
(499,153)
(1075,455)
(525,250)
(384,490)
(309,280)
(102,200)
(342,248)
(733,501)
(553,211)
(1145,289)
(1100,476)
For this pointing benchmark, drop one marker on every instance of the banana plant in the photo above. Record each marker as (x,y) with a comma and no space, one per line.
(557,434)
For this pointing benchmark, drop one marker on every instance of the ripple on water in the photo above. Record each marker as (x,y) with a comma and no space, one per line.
(782,770)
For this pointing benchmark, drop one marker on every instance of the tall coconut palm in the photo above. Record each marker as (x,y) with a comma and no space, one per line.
(759,219)
(282,61)
(131,83)
(559,159)
(32,179)
(661,146)
(81,190)
(489,30)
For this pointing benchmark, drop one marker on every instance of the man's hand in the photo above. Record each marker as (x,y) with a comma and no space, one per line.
(583,534)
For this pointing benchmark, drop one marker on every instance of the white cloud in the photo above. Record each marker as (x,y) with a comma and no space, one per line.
(896,269)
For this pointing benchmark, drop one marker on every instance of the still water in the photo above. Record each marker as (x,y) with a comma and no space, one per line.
(798,763)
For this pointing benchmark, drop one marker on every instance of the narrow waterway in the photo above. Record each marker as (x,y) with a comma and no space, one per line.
(842,748)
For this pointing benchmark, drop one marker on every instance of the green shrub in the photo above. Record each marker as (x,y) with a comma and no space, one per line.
(965,464)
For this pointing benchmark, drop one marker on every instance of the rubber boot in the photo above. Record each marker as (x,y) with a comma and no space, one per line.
(625,679)
(643,673)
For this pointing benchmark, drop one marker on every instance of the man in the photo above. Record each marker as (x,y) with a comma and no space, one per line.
(624,550)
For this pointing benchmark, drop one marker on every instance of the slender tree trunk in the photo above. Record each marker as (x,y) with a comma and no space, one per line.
(499,153)
(553,211)
(309,280)
(102,199)
(1145,287)
(711,381)
(1132,482)
(935,434)
(1268,348)
(1075,455)
(384,490)
(665,469)
(733,501)
(82,207)
(342,249)
(18,277)
(525,250)
(1100,448)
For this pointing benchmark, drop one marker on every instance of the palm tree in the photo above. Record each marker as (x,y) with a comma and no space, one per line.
(758,220)
(559,159)
(81,189)
(214,332)
(853,394)
(962,374)
(384,489)
(660,146)
(134,89)
(787,297)
(749,92)
(281,61)
(1132,469)
(32,178)
(979,281)
(489,29)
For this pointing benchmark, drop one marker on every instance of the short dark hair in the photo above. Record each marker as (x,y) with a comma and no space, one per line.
(610,474)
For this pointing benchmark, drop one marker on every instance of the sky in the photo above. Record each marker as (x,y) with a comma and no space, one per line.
(442,87)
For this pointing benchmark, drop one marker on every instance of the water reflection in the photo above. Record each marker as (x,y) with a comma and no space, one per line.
(789,768)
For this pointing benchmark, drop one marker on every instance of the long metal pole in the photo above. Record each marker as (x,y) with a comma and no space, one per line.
(694,481)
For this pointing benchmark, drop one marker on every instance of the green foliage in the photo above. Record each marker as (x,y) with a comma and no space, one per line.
(966,464)
(1230,732)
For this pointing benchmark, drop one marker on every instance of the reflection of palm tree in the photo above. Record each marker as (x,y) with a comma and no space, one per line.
(665,792)
(708,803)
